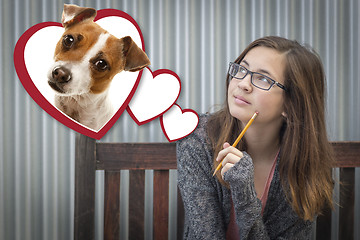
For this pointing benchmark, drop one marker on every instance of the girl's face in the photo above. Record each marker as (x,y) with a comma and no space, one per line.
(244,98)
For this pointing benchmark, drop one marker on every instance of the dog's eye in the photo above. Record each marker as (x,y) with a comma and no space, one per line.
(101,65)
(68,41)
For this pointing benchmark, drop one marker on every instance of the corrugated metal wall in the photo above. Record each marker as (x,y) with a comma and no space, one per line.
(195,39)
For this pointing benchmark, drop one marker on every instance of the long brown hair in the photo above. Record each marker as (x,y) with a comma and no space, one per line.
(306,157)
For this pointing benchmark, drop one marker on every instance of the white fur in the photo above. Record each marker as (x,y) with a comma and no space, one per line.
(80,71)
(92,110)
(66,18)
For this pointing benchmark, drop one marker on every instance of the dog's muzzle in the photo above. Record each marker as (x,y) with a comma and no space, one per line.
(59,77)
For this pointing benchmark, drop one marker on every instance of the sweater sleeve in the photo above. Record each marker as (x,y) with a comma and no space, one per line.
(203,213)
(248,208)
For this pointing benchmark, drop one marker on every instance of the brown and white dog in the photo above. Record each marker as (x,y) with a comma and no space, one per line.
(87,58)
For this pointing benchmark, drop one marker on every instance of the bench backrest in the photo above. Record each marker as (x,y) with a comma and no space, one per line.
(161,157)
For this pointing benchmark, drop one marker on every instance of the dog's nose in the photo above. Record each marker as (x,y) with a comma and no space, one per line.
(61,75)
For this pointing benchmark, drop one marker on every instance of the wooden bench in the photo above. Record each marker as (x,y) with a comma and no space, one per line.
(137,157)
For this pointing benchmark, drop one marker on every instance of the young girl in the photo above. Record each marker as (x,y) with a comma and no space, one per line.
(273,184)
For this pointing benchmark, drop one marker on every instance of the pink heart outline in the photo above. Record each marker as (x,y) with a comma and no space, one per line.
(182,111)
(154,74)
(36,95)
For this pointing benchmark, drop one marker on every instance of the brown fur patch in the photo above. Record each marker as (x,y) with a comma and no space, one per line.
(112,54)
(89,32)
(85,36)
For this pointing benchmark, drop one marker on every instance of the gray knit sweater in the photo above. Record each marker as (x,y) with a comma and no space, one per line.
(207,203)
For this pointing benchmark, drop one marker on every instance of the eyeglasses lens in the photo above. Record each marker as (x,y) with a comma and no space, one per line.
(261,81)
(258,80)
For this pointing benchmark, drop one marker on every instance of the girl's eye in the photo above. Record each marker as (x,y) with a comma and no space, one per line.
(262,79)
(242,70)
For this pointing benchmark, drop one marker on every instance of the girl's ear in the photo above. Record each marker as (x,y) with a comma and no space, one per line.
(284,115)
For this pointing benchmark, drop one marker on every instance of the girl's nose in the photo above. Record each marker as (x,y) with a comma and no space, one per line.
(245,84)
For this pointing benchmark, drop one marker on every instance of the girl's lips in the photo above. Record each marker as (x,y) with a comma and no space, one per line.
(241,100)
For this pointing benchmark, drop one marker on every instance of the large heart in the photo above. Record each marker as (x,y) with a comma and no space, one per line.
(157,92)
(33,57)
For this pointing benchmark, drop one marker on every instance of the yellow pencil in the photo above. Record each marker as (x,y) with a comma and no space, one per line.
(239,137)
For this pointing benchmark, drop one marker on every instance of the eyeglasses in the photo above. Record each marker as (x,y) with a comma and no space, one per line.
(257,79)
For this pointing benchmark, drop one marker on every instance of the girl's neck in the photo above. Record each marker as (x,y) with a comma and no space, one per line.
(263,142)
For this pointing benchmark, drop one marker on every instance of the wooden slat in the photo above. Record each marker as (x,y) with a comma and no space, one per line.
(180,216)
(112,206)
(346,215)
(116,156)
(161,204)
(323,225)
(84,188)
(347,154)
(136,204)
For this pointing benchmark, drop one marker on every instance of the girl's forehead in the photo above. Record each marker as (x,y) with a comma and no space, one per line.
(264,53)
(267,60)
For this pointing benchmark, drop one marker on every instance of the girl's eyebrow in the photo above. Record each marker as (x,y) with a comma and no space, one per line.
(245,62)
(262,71)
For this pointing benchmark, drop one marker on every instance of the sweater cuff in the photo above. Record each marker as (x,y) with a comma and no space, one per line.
(241,180)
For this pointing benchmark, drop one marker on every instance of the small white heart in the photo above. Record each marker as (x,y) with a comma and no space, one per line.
(177,123)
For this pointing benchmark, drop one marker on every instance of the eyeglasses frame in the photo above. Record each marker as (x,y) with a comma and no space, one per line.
(273,82)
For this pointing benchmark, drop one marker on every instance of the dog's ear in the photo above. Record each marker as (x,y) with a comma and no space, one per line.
(73,14)
(135,58)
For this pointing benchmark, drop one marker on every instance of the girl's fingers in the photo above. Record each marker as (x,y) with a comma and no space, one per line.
(226,168)
(229,149)
(230,158)
(226,145)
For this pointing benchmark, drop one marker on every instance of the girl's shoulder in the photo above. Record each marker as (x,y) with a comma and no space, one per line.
(194,151)
(198,141)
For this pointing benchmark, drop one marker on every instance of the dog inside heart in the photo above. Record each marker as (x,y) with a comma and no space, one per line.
(84,69)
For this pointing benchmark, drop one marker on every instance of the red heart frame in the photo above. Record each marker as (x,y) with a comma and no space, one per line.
(20,67)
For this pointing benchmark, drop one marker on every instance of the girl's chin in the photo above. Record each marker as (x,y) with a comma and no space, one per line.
(243,116)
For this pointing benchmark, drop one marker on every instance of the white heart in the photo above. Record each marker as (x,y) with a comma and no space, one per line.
(177,123)
(156,93)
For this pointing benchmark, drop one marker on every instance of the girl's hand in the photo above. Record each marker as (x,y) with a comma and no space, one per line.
(230,156)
